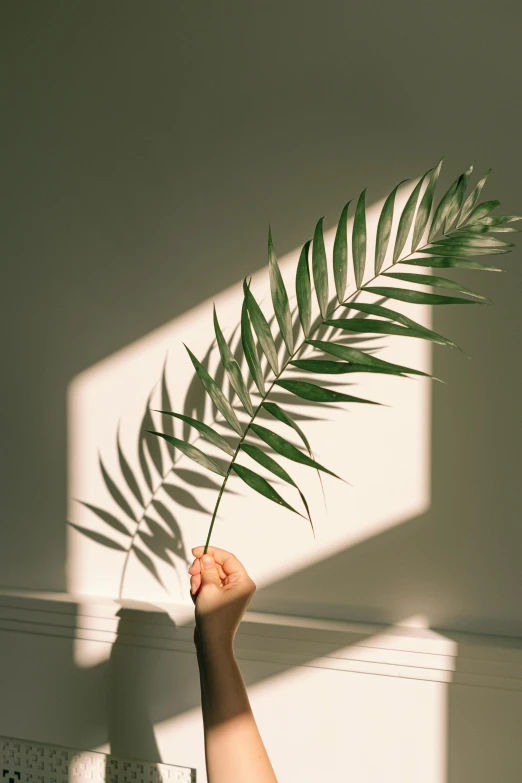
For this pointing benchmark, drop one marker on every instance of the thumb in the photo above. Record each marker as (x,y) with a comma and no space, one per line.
(209,572)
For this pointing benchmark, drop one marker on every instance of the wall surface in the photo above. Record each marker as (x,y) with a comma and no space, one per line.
(145,151)
(146,147)
(353,701)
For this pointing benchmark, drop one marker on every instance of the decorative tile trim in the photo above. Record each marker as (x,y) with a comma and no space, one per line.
(34,762)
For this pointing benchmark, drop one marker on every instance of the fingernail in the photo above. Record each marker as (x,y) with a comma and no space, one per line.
(207,561)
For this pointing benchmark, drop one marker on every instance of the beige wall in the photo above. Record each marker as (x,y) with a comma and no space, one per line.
(146,146)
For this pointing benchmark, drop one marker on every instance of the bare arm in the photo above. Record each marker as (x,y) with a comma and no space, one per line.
(234,750)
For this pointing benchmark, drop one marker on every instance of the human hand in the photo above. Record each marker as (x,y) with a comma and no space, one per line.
(221,592)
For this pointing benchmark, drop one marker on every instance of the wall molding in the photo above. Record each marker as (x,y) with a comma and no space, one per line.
(395,651)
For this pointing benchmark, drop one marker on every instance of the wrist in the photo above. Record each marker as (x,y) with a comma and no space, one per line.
(210,648)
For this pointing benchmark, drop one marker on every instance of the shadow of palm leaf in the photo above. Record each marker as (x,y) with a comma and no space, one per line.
(195,479)
(168,517)
(147,562)
(98,538)
(157,468)
(108,518)
(127,472)
(297,416)
(159,543)
(183,497)
(167,422)
(116,494)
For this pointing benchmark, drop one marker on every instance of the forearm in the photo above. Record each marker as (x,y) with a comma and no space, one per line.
(234,750)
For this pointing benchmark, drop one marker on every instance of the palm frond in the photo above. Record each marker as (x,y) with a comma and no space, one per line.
(459,231)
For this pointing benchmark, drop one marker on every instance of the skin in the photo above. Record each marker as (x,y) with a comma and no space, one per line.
(221,590)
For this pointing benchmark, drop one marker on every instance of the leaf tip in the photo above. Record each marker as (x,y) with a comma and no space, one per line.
(193,358)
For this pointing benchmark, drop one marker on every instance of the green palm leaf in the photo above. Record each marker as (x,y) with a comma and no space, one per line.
(496,220)
(424,210)
(435,281)
(325,367)
(442,209)
(287,449)
(232,367)
(192,452)
(361,359)
(303,290)
(448,262)
(457,199)
(481,228)
(215,394)
(472,240)
(384,228)
(255,453)
(472,199)
(417,297)
(371,326)
(205,431)
(278,413)
(279,296)
(261,485)
(481,210)
(359,239)
(457,249)
(261,328)
(309,391)
(267,462)
(250,350)
(340,254)
(394,315)
(406,219)
(319,268)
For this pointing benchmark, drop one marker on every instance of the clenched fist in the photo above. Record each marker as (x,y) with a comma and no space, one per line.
(221,590)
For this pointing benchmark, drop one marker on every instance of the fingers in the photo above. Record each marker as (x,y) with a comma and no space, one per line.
(228,561)
(224,568)
(195,568)
(209,572)
(195,583)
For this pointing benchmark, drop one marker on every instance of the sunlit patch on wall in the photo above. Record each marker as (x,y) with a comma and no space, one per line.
(129,492)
